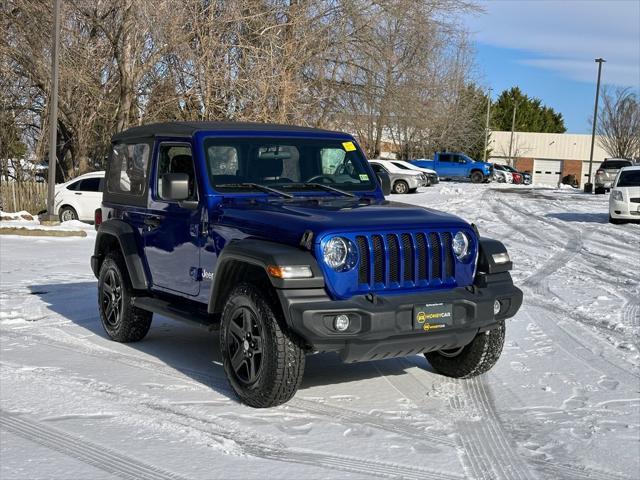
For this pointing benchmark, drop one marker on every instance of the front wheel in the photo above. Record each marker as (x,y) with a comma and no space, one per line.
(400,187)
(477,177)
(262,360)
(471,360)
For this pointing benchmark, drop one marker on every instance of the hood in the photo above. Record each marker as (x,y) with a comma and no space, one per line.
(287,221)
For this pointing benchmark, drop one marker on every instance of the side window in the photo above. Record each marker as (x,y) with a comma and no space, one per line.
(90,185)
(176,158)
(128,168)
(331,159)
(446,158)
(75,186)
(459,159)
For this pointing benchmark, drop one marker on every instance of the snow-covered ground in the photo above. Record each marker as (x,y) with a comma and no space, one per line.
(563,402)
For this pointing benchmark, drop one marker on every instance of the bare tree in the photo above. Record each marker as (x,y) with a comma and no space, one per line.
(619,124)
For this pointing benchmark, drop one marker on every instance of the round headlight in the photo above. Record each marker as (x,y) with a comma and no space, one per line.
(339,253)
(461,245)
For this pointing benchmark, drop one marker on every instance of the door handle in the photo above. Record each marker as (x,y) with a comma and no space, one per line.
(152,222)
(78,193)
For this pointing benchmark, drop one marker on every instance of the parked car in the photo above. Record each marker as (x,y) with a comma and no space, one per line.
(501,174)
(624,201)
(525,177)
(431,175)
(606,173)
(402,181)
(78,199)
(290,253)
(457,165)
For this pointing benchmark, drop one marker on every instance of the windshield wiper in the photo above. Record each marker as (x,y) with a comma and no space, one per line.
(322,186)
(257,186)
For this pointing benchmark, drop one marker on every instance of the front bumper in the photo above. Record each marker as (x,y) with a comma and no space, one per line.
(624,210)
(382,326)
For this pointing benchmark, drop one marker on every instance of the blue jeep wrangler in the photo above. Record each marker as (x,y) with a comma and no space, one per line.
(281,237)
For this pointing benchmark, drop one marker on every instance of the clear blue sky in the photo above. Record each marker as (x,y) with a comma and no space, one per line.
(548,47)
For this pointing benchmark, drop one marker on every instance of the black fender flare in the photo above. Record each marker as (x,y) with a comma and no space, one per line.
(488,250)
(128,240)
(259,254)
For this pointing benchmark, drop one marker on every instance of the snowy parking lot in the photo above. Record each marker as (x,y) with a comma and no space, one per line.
(563,401)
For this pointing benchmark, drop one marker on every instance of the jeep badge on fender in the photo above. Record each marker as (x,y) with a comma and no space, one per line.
(281,236)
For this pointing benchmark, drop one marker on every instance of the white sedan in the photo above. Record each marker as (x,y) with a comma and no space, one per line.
(624,201)
(79,198)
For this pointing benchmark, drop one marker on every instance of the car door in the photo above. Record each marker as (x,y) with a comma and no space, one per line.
(446,167)
(172,237)
(89,194)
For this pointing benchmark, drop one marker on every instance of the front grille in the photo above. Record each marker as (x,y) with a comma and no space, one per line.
(405,260)
(635,200)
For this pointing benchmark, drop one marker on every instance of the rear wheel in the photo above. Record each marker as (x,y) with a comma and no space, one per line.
(263,361)
(471,360)
(121,320)
(400,187)
(477,177)
(67,214)
(600,190)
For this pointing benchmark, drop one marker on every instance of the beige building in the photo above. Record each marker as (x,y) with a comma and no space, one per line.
(548,156)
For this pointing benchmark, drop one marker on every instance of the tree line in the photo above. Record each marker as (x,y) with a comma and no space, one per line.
(389,71)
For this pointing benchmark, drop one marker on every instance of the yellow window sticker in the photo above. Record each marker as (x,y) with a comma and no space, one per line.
(348,146)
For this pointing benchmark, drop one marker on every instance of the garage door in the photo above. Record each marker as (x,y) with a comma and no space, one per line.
(547,172)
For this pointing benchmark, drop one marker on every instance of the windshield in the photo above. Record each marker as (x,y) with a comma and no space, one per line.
(629,178)
(614,164)
(285,164)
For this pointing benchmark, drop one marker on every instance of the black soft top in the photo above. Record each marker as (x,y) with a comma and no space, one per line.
(187,129)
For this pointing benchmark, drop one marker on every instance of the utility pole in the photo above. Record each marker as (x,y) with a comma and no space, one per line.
(486,128)
(53,113)
(513,125)
(589,188)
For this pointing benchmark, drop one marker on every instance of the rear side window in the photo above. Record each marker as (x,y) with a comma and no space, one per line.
(128,169)
(615,164)
(91,185)
(75,186)
(446,158)
(629,178)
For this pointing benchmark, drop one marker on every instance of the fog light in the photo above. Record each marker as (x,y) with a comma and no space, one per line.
(497,306)
(341,323)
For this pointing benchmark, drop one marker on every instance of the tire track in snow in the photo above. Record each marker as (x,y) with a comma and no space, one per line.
(81,449)
(488,455)
(247,442)
(577,472)
(220,384)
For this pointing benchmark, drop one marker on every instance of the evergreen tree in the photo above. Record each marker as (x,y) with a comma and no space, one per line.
(531,114)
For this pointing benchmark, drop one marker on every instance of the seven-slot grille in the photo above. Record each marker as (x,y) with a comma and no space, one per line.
(404,260)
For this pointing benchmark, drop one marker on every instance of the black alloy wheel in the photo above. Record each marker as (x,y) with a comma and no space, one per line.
(244,341)
(111,298)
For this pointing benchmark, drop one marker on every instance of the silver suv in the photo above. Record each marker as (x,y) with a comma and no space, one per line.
(606,173)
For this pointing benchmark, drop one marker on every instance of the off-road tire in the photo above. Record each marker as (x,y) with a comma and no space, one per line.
(400,187)
(477,177)
(133,323)
(67,210)
(600,191)
(474,359)
(282,357)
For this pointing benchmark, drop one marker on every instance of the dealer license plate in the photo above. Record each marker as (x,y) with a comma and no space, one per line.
(432,316)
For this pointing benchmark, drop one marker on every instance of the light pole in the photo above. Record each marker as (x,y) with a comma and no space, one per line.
(589,186)
(486,128)
(53,113)
(513,126)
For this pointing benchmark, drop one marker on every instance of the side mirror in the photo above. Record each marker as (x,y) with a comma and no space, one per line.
(175,186)
(384,181)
